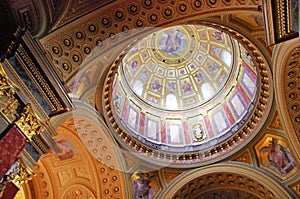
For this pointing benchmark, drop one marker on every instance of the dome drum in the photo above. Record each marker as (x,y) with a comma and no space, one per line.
(185,95)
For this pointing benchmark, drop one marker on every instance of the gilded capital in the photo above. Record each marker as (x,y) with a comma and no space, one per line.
(29,123)
(22,175)
(8,103)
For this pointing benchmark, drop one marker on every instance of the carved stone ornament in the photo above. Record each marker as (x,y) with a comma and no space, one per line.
(8,103)
(198,132)
(22,175)
(29,123)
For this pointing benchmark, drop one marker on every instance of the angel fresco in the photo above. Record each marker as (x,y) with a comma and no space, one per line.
(279,157)
(64,149)
(141,186)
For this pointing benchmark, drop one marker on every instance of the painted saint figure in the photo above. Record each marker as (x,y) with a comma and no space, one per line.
(117,102)
(172,42)
(156,86)
(186,87)
(142,188)
(280,158)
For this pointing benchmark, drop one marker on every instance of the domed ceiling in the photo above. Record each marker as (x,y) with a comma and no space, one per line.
(183,89)
(180,67)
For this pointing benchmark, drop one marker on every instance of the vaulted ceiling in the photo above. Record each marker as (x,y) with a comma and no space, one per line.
(85,40)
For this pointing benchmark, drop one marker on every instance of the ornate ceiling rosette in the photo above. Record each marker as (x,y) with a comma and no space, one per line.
(187,94)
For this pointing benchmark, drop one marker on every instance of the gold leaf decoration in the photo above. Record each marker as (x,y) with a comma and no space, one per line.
(295,187)
(245,157)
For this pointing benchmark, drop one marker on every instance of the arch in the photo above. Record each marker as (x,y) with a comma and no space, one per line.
(259,184)
(138,87)
(90,129)
(286,85)
(171,102)
(206,90)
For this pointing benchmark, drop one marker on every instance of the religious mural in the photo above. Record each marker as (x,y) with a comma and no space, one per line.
(81,81)
(172,41)
(274,155)
(141,182)
(64,149)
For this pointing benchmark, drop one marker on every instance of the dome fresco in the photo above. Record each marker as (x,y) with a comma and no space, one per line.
(179,67)
(184,88)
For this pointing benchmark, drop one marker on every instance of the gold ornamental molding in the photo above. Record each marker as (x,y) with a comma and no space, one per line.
(225,176)
(70,46)
(295,187)
(245,157)
(286,68)
(85,125)
(278,20)
(23,174)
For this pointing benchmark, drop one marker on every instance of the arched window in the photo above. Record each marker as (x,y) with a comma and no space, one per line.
(171,102)
(227,58)
(207,90)
(138,87)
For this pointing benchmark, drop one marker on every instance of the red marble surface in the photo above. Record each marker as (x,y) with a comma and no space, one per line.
(11,145)
(243,94)
(229,114)
(9,191)
(208,127)
(187,137)
(163,131)
(142,123)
